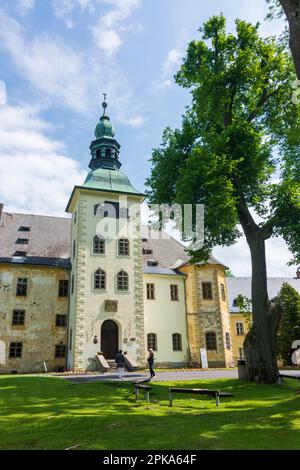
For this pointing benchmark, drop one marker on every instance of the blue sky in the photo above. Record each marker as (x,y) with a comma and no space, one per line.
(58,56)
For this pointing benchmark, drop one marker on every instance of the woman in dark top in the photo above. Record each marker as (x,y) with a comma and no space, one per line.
(150,361)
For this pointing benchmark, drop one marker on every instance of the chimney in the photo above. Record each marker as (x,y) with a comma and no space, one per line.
(1,210)
(298,273)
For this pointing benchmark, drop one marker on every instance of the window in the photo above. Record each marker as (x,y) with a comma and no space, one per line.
(177,343)
(122,281)
(241,353)
(60,350)
(211,341)
(15,350)
(152,341)
(75,217)
(147,251)
(72,285)
(23,228)
(18,317)
(63,288)
(98,245)
(240,328)
(22,241)
(100,279)
(21,286)
(235,303)
(70,340)
(61,320)
(227,341)
(20,253)
(223,296)
(207,291)
(74,249)
(150,291)
(174,291)
(123,245)
(108,209)
(152,262)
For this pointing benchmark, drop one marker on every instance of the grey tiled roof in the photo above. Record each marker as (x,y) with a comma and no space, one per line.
(242,286)
(48,237)
(38,261)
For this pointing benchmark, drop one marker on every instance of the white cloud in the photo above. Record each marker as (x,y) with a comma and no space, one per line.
(63,8)
(36,175)
(25,6)
(173,61)
(65,76)
(107,31)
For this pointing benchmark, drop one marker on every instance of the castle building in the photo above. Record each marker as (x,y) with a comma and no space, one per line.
(99,281)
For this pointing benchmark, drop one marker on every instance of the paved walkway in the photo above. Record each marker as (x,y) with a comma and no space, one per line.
(168,376)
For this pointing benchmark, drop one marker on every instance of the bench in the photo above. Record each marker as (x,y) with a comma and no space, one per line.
(199,391)
(146,388)
(288,376)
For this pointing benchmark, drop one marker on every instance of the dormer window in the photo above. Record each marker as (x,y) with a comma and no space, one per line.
(147,251)
(22,241)
(152,262)
(24,228)
(20,253)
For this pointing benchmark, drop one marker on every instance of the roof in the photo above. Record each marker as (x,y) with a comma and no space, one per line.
(109,180)
(49,241)
(242,286)
(38,261)
(49,237)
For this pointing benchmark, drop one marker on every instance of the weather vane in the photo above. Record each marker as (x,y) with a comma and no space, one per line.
(104,104)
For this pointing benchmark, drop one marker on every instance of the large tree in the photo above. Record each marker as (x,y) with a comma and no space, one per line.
(291,8)
(288,302)
(224,157)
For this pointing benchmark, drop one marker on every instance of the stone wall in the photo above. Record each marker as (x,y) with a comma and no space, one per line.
(39,335)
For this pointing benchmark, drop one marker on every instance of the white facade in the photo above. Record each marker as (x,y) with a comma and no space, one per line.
(165,317)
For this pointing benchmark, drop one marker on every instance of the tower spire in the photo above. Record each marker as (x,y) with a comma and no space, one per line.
(104,104)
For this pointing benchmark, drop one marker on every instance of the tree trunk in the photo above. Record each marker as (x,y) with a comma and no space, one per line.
(292,12)
(261,342)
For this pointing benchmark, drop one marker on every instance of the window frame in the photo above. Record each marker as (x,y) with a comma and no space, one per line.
(63,288)
(223,292)
(124,244)
(100,280)
(123,277)
(150,289)
(152,341)
(99,243)
(174,298)
(209,342)
(177,341)
(22,287)
(17,348)
(61,324)
(227,341)
(205,286)
(60,351)
(239,331)
(16,315)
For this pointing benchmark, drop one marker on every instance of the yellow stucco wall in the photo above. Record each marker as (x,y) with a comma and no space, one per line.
(39,334)
(238,340)
(164,317)
(207,315)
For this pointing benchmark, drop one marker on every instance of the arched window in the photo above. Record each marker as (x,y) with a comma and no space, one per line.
(123,247)
(211,341)
(227,341)
(235,303)
(152,341)
(98,245)
(177,342)
(122,281)
(100,279)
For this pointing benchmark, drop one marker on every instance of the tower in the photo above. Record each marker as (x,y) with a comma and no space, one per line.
(106,280)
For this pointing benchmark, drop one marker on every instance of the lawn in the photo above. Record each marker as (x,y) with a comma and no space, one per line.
(51,413)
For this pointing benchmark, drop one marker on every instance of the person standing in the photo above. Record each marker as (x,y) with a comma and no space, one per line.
(120,361)
(150,361)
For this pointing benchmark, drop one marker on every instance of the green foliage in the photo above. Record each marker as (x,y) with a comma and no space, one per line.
(245,306)
(288,301)
(240,131)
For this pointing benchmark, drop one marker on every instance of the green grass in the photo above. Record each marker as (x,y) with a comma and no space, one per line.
(51,413)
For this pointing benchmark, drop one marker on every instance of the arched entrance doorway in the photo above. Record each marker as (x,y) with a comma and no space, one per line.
(109,339)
